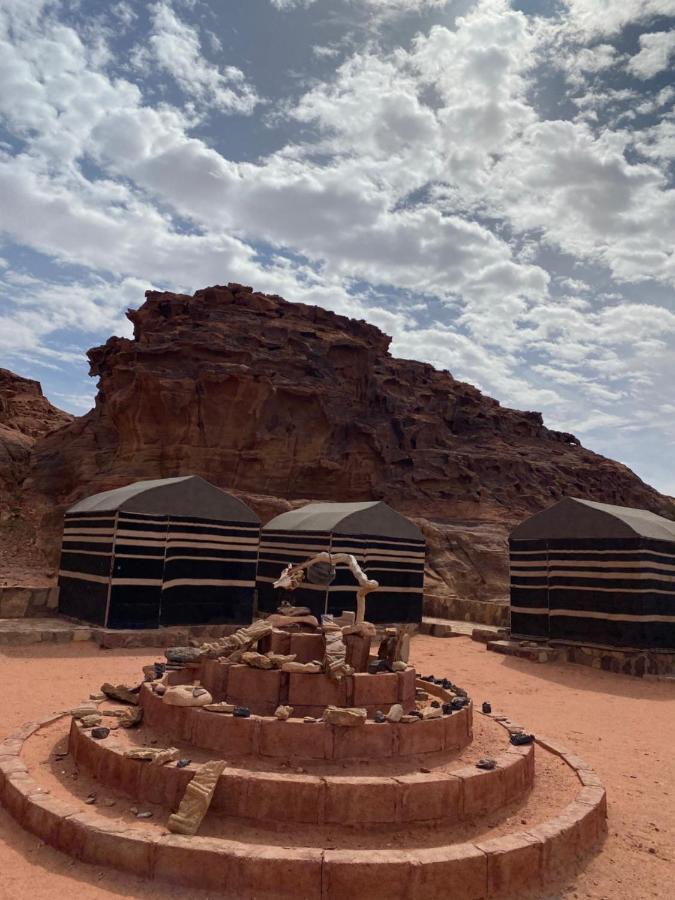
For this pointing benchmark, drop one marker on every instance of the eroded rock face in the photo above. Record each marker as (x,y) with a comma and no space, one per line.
(285,402)
(25,416)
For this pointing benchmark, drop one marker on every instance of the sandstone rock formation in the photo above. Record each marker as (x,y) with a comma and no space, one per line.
(285,402)
(25,416)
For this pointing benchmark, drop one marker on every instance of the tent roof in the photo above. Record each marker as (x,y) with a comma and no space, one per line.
(188,495)
(373,518)
(576,518)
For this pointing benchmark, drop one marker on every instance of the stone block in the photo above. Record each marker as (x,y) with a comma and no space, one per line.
(214,731)
(380,690)
(368,875)
(93,839)
(456,870)
(513,864)
(214,676)
(43,816)
(429,797)
(264,873)
(307,647)
(406,689)
(196,862)
(258,689)
(346,798)
(295,739)
(14,603)
(293,798)
(231,793)
(370,741)
(559,839)
(421,737)
(482,791)
(318,690)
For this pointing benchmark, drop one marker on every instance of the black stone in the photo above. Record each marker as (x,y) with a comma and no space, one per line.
(416,713)
(182,763)
(379,717)
(458,702)
(447,709)
(241,712)
(428,678)
(487,707)
(100,732)
(447,684)
(435,704)
(487,764)
(519,739)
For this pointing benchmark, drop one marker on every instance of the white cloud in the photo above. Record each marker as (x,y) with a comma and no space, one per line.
(656,50)
(593,17)
(177,49)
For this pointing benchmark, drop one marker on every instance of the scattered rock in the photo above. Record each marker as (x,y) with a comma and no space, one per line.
(146,814)
(487,763)
(187,695)
(241,712)
(310,720)
(435,704)
(432,712)
(425,771)
(100,733)
(159,689)
(85,709)
(91,799)
(182,763)
(379,717)
(256,660)
(519,739)
(447,709)
(420,694)
(395,713)
(399,666)
(486,707)
(98,696)
(121,692)
(91,721)
(131,717)
(310,668)
(409,719)
(182,655)
(345,716)
(283,712)
(227,708)
(279,659)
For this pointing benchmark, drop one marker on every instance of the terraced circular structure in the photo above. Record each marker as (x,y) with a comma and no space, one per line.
(305,809)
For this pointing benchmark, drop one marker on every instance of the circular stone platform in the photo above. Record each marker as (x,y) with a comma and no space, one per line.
(310,810)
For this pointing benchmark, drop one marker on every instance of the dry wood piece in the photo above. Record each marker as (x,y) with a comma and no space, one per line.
(196,799)
(154,755)
(243,639)
(256,660)
(310,668)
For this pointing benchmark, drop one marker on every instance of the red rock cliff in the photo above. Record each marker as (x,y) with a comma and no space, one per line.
(291,401)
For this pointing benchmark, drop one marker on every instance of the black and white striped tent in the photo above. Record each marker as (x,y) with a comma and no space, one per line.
(389,548)
(176,551)
(591,573)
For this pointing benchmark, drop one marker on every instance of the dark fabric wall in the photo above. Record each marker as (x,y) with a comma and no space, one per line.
(617,593)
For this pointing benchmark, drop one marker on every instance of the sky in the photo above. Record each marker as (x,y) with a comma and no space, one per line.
(489,182)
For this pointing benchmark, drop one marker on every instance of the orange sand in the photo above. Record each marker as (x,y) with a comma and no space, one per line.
(624,727)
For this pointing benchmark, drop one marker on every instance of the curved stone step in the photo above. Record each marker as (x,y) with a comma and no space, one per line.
(296,739)
(434,796)
(494,867)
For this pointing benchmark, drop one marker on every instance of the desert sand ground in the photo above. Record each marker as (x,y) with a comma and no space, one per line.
(624,727)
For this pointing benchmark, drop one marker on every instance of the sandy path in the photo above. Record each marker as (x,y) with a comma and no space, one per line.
(624,727)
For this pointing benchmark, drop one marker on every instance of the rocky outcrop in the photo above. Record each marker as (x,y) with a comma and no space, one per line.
(25,416)
(284,402)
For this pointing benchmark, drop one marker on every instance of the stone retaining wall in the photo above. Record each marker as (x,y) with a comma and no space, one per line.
(417,797)
(295,739)
(508,865)
(24,602)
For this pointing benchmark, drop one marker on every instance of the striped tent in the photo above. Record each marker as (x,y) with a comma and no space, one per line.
(590,573)
(389,548)
(176,551)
